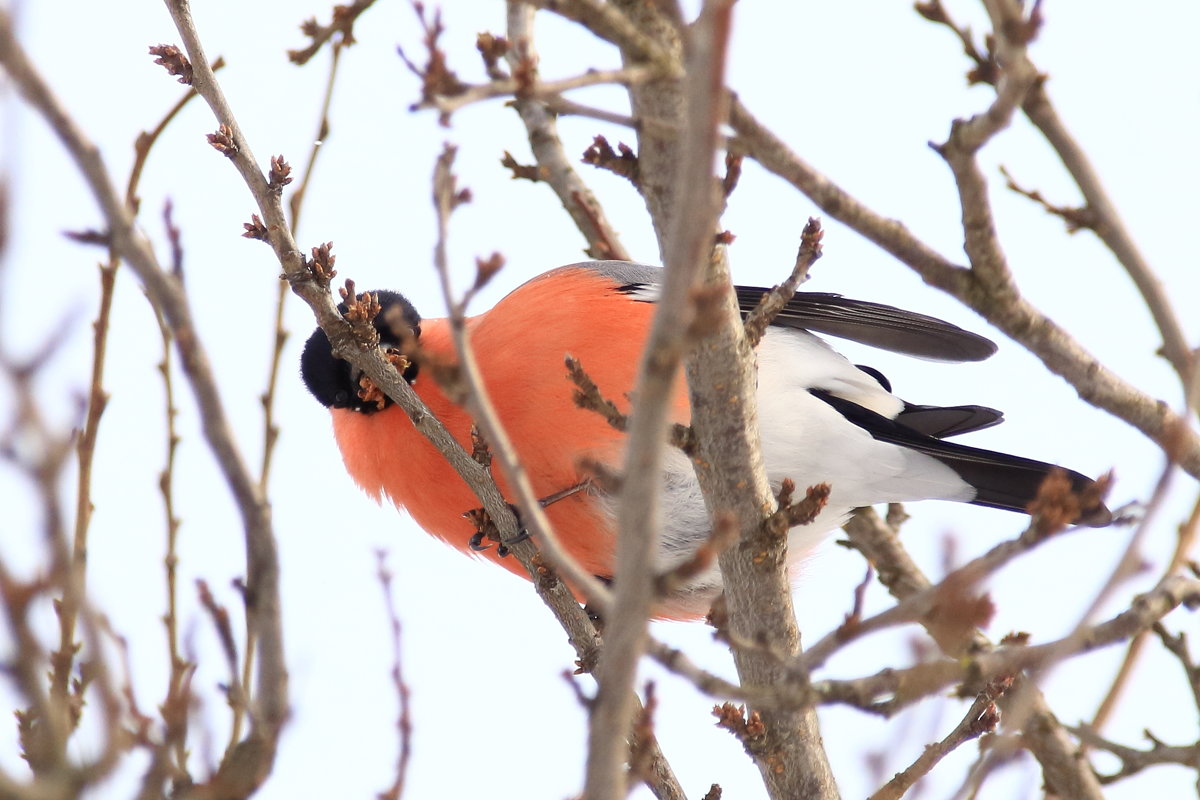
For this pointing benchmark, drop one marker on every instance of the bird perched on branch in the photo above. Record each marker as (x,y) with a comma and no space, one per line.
(822,419)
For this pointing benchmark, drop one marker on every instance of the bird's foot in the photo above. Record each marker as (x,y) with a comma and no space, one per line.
(486,530)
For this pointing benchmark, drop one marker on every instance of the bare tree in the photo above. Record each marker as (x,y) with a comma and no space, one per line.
(684,116)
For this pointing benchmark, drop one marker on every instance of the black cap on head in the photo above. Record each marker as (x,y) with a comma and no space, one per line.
(334,382)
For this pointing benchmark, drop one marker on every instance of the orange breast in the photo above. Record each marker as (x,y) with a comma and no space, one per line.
(520,345)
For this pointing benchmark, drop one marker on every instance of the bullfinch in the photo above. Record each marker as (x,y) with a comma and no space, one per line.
(822,419)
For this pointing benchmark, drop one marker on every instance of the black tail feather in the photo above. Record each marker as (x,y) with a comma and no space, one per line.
(943,421)
(1000,480)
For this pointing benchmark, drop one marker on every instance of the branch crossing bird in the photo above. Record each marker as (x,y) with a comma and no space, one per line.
(822,419)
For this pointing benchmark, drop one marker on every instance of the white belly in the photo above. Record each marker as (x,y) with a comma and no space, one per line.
(807,440)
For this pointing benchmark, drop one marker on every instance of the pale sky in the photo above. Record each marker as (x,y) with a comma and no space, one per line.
(857,88)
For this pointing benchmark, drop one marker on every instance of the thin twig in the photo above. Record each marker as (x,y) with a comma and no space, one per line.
(85,449)
(295,206)
(1133,760)
(982,717)
(1183,546)
(1057,349)
(175,706)
(469,94)
(890,690)
(957,619)
(484,413)
(1076,219)
(638,513)
(235,692)
(560,601)
(563,107)
(774,300)
(342,24)
(98,397)
(1098,213)
(167,294)
(610,22)
(404,714)
(1112,231)
(1044,735)
(542,131)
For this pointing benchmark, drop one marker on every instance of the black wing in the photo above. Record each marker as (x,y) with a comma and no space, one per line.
(875,324)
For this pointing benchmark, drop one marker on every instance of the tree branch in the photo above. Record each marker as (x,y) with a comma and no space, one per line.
(556,169)
(683,197)
(982,717)
(1043,734)
(1057,349)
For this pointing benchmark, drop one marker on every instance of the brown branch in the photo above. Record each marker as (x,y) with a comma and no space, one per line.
(295,206)
(446,195)
(1098,213)
(982,717)
(235,692)
(722,536)
(1111,230)
(561,602)
(588,396)
(948,609)
(890,690)
(97,401)
(1133,760)
(677,183)
(174,708)
(646,760)
(563,107)
(774,300)
(989,266)
(1044,735)
(638,514)
(1076,219)
(342,23)
(146,140)
(1178,647)
(783,695)
(85,449)
(467,94)
(403,715)
(986,69)
(167,295)
(757,589)
(265,194)
(612,22)
(623,164)
(542,130)
(1014,315)
(761,144)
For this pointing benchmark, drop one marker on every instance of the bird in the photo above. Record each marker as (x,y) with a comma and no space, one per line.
(822,419)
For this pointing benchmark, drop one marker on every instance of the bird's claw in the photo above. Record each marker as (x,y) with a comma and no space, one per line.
(486,529)
(503,550)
